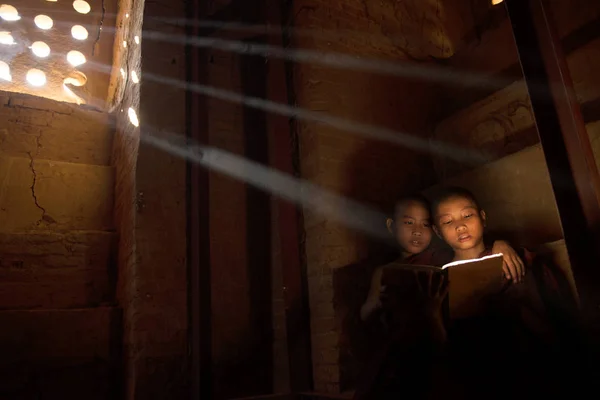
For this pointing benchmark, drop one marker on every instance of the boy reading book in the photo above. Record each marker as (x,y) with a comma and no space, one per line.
(520,332)
(386,374)
(411,226)
(460,222)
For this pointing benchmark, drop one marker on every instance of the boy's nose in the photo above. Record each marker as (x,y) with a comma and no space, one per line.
(461,227)
(416,233)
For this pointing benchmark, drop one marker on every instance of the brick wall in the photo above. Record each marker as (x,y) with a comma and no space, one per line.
(357,166)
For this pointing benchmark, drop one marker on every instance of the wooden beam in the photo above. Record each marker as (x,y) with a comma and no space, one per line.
(259,371)
(565,142)
(199,275)
(290,219)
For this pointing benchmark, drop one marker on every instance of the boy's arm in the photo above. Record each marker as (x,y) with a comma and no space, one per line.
(373,302)
(513,267)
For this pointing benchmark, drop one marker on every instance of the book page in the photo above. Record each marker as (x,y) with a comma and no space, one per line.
(472,283)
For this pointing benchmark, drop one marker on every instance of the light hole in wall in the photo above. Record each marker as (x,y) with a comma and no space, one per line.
(134,77)
(133,118)
(9,13)
(123,73)
(137,39)
(124,44)
(81,6)
(36,77)
(40,49)
(79,32)
(5,71)
(75,58)
(43,22)
(6,38)
(496,2)
(52,1)
(77,79)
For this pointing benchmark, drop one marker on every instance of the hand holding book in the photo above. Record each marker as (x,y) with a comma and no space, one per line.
(469,282)
(433,293)
(433,296)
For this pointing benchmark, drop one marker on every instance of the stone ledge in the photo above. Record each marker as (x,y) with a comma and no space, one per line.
(54,130)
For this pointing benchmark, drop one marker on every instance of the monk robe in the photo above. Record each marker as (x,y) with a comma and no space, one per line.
(399,367)
(523,346)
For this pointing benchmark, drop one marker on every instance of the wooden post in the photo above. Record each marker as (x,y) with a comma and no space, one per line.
(294,274)
(565,142)
(199,276)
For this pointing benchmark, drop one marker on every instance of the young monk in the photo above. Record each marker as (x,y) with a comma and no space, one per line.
(460,222)
(521,340)
(411,226)
(396,369)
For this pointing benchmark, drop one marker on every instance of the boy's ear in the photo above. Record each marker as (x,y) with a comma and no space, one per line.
(389,223)
(437,232)
(483,217)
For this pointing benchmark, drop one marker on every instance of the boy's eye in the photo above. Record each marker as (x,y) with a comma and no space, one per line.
(468,215)
(426,224)
(446,222)
(408,223)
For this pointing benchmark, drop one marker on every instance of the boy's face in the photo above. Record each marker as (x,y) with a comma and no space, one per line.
(412,226)
(460,223)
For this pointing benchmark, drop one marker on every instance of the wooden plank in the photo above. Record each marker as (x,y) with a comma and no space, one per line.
(294,272)
(198,221)
(573,172)
(258,378)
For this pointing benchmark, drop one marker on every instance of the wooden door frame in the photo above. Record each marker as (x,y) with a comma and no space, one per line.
(565,142)
(281,158)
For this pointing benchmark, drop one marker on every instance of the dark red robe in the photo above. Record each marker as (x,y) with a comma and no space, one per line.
(525,345)
(517,349)
(386,374)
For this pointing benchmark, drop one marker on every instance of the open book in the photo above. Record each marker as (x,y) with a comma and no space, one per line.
(470,282)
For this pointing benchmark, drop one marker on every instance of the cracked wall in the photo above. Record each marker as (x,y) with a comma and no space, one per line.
(56,249)
(44,180)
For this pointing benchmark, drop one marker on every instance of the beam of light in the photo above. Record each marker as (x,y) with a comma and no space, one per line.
(365,130)
(425,71)
(214,26)
(405,69)
(308,195)
(347,212)
(368,131)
